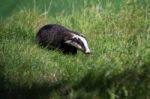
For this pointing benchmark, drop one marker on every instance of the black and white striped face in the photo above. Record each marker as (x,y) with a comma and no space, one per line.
(80,43)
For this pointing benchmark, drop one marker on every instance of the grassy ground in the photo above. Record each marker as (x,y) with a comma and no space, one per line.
(119,67)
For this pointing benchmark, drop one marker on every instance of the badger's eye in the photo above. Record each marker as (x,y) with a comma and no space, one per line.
(75,39)
(80,42)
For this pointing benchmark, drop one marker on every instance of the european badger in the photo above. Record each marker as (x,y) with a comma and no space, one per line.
(54,36)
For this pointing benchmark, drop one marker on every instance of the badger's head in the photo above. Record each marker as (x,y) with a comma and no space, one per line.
(79,42)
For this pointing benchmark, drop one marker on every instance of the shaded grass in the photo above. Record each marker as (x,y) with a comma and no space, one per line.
(117,68)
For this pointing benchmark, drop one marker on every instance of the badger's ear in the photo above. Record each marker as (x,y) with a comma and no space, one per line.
(82,35)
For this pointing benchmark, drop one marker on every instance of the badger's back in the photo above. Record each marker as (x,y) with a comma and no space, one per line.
(52,35)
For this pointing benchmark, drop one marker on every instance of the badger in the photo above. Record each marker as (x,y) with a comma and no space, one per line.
(54,36)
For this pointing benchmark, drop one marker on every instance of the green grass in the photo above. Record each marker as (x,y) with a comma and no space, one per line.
(54,6)
(119,66)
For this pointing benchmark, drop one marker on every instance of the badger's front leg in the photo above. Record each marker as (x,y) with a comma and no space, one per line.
(67,49)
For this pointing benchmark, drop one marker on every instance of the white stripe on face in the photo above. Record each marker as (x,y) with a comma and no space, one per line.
(87,50)
(74,44)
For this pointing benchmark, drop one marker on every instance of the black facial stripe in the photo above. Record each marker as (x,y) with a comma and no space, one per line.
(77,40)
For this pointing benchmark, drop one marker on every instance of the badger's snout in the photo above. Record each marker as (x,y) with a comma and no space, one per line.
(88,52)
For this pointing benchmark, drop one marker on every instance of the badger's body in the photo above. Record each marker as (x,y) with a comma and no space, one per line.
(54,36)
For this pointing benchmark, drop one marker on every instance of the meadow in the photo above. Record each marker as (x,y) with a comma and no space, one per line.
(118,68)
